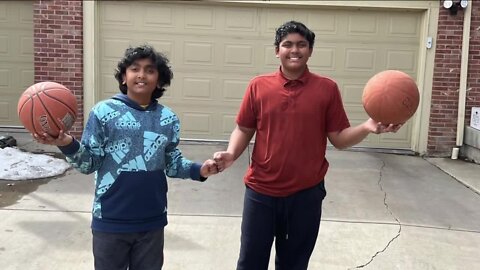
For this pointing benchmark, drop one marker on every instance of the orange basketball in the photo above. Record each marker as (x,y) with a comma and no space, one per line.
(47,107)
(391,97)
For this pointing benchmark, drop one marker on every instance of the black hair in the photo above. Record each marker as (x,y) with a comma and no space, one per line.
(161,62)
(294,27)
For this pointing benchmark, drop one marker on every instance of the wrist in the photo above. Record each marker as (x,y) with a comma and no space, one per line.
(69,140)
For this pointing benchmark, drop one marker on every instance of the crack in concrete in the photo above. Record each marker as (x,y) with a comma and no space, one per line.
(391,213)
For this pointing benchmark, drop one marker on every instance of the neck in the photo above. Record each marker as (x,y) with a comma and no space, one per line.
(292,74)
(139,100)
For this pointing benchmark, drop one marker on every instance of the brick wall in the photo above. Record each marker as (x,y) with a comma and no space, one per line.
(446,82)
(58,47)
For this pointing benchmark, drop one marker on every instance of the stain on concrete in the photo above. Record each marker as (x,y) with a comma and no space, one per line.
(12,191)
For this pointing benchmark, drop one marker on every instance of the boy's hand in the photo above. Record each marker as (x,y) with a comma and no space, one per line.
(379,127)
(223,159)
(209,167)
(62,139)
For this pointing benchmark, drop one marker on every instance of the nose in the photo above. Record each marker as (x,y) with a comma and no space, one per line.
(141,74)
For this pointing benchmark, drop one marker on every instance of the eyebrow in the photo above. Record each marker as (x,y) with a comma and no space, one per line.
(147,66)
(293,42)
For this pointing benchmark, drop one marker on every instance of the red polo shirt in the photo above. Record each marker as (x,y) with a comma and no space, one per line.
(292,119)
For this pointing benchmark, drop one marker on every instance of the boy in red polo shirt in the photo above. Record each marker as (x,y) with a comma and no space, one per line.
(293,112)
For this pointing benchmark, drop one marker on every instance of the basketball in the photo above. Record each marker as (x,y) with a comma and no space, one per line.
(391,97)
(47,107)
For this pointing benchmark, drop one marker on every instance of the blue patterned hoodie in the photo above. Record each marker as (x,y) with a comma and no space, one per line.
(130,149)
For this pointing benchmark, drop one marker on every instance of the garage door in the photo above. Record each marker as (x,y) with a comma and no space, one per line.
(215,49)
(16,57)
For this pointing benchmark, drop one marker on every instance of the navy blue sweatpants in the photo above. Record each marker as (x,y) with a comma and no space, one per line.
(293,222)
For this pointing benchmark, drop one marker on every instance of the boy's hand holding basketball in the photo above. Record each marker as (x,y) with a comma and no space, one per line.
(62,139)
(378,127)
(47,107)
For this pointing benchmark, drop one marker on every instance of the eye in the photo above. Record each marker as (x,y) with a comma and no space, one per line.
(302,45)
(150,71)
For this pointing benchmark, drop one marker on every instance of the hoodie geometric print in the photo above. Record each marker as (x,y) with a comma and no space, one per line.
(131,150)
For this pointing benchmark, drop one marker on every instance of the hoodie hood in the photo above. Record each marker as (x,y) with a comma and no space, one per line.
(125,99)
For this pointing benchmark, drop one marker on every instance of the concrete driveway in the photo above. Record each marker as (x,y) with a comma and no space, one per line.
(382,211)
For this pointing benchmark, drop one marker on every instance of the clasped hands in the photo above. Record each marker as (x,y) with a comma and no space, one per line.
(221,160)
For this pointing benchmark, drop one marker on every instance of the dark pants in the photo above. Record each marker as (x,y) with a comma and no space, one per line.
(133,251)
(293,222)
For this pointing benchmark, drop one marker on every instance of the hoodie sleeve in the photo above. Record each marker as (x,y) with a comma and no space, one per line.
(176,165)
(87,156)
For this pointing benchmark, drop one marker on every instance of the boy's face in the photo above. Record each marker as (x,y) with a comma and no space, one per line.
(293,51)
(141,78)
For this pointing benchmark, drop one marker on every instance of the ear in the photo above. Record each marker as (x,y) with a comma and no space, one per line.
(276,52)
(124,81)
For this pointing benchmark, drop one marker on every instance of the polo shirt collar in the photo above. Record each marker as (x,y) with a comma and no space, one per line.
(302,79)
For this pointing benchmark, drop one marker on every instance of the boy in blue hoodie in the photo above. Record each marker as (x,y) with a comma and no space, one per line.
(130,142)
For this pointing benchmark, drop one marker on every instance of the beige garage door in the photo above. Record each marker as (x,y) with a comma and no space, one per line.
(216,49)
(16,57)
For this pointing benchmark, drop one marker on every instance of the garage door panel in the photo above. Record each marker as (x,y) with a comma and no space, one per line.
(271,61)
(199,18)
(215,49)
(108,85)
(159,16)
(14,79)
(233,90)
(5,76)
(198,123)
(228,124)
(275,17)
(365,24)
(16,56)
(16,14)
(242,20)
(25,76)
(8,110)
(404,60)
(26,45)
(4,48)
(166,47)
(224,90)
(323,22)
(351,92)
(360,59)
(114,48)
(239,55)
(3,12)
(406,25)
(198,53)
(198,88)
(323,59)
(117,14)
(16,46)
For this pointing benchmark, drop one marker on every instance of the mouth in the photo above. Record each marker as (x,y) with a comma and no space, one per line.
(140,83)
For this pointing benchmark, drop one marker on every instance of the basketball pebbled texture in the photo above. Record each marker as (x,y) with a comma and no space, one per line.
(47,107)
(391,97)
